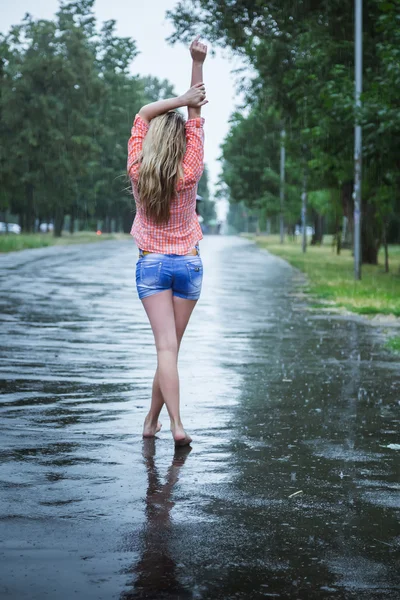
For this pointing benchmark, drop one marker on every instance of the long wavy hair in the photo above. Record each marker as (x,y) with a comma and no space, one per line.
(161,165)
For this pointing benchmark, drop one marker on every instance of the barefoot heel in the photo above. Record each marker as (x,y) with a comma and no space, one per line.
(150,434)
(184,442)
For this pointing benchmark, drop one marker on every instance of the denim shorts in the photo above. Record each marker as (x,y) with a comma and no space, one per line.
(158,272)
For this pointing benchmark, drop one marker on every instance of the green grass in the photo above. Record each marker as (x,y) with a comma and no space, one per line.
(12,242)
(331,277)
(393,343)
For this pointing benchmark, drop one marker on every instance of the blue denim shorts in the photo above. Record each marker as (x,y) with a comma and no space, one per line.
(158,272)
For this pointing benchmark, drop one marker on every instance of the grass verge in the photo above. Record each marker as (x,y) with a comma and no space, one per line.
(12,242)
(331,277)
(394,343)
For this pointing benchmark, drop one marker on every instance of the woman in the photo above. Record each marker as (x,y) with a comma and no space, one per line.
(165,163)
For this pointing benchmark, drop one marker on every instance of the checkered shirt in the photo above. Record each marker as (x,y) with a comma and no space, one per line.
(182,232)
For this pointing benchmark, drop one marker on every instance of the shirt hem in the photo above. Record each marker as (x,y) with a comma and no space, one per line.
(170,250)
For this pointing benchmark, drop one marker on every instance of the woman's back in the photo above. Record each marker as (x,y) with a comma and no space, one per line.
(182,231)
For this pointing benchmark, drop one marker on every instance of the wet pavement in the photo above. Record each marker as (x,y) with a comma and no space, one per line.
(291,489)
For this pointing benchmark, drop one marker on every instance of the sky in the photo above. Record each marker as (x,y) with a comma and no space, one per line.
(144,21)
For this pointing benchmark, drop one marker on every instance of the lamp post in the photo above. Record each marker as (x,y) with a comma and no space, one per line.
(357,139)
(282,186)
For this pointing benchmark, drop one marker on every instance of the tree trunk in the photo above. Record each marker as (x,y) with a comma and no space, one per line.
(5,219)
(386,258)
(338,243)
(29,212)
(58,221)
(127,219)
(321,222)
(370,254)
(370,234)
(385,245)
(21,220)
(72,221)
(107,224)
(337,238)
(318,229)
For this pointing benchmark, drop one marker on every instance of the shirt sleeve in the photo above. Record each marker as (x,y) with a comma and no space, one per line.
(138,133)
(193,164)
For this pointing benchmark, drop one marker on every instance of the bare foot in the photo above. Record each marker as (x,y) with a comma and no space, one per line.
(183,442)
(181,438)
(149,428)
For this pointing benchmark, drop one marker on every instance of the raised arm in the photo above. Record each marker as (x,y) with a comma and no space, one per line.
(150,111)
(194,97)
(198,53)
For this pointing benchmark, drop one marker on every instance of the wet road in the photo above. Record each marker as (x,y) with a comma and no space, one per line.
(278,399)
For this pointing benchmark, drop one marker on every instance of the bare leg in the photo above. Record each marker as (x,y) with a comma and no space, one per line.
(151,423)
(182,312)
(161,314)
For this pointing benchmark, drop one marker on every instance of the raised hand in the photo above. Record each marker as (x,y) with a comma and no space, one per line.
(198,50)
(195,96)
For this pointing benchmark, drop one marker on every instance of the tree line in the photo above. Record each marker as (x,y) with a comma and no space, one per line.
(67,102)
(301,55)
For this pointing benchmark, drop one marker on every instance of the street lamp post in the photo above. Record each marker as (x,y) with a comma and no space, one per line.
(282,186)
(357,140)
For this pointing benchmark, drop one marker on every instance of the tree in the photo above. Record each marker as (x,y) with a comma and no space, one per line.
(207,206)
(251,169)
(303,56)
(67,103)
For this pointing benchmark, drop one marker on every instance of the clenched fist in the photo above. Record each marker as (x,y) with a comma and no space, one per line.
(198,50)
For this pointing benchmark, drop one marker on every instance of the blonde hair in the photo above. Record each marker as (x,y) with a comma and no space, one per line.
(161,165)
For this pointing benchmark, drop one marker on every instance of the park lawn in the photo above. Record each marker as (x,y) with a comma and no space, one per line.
(11,242)
(394,343)
(331,277)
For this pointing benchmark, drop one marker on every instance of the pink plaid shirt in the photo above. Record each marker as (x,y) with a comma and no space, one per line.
(182,232)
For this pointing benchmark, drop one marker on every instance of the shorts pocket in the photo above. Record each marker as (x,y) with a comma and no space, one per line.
(195,271)
(150,272)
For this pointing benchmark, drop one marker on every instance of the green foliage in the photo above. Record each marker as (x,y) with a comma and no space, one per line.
(250,165)
(303,56)
(394,343)
(325,202)
(67,101)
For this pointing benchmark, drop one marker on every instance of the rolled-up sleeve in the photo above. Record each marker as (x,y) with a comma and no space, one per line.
(193,164)
(138,133)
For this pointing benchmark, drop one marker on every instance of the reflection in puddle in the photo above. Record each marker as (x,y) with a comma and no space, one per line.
(156,571)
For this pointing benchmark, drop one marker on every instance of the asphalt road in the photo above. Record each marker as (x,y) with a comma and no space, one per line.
(291,489)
